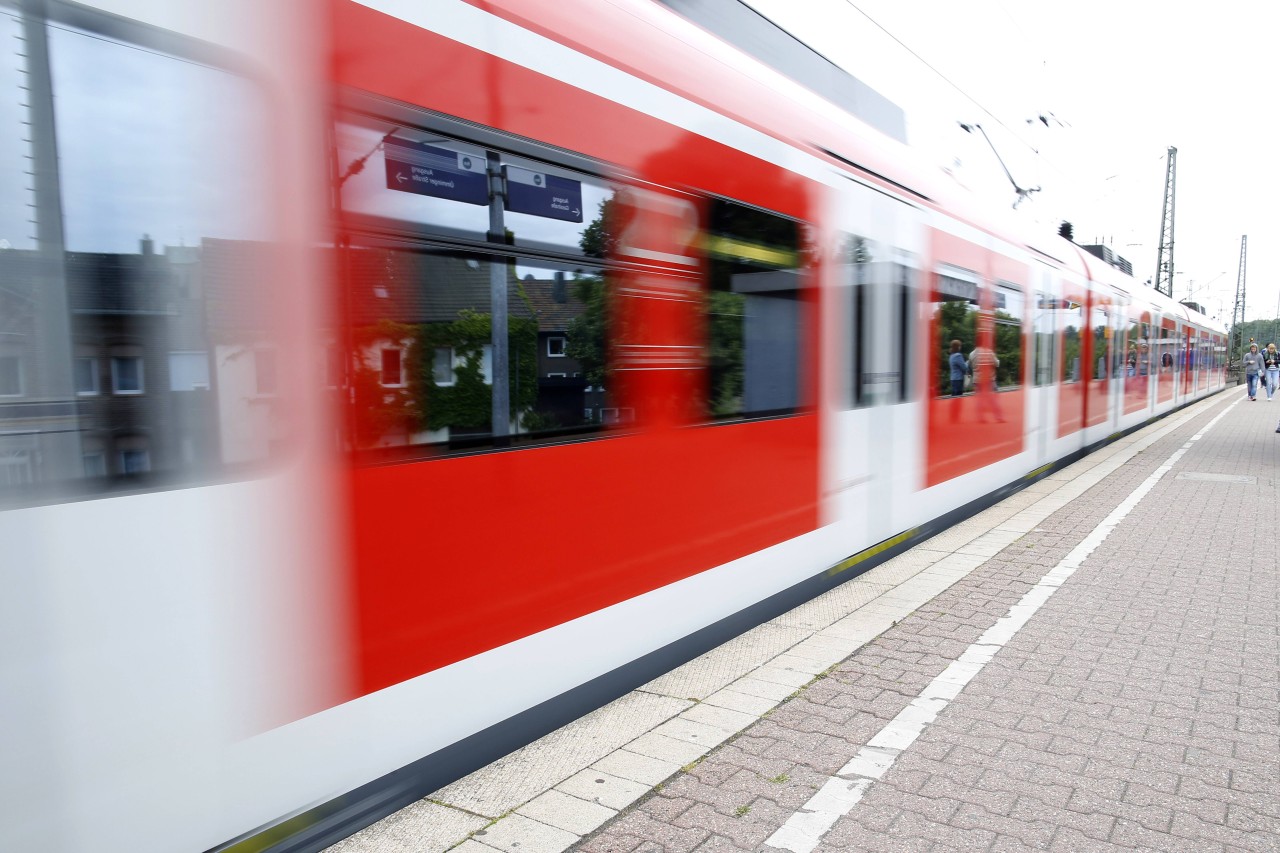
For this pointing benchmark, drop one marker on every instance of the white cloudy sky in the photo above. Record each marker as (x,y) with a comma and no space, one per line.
(1126,79)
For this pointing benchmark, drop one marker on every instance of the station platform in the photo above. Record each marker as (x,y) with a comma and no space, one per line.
(1092,664)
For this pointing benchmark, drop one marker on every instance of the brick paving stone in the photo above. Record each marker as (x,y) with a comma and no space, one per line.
(1138,709)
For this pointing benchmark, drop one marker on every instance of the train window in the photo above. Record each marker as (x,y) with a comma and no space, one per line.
(1071,313)
(956,310)
(420,348)
(1009,311)
(412,180)
(1137,360)
(858,260)
(1099,325)
(151,155)
(1045,326)
(904,277)
(1167,359)
(876,376)
(753,311)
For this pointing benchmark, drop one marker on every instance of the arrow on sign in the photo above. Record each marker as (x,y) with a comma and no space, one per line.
(400,177)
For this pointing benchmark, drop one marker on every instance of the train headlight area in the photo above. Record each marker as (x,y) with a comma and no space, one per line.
(359,426)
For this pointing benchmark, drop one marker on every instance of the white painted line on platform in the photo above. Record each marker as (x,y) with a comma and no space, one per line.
(803,831)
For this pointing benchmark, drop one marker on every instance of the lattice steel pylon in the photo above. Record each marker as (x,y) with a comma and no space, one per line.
(1237,313)
(1164,261)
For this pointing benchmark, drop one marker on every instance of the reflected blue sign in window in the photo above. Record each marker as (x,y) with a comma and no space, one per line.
(414,167)
(540,194)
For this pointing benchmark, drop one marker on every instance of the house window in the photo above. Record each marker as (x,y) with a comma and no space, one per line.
(134,461)
(555,347)
(442,366)
(264,371)
(126,374)
(95,465)
(10,376)
(188,371)
(86,377)
(392,375)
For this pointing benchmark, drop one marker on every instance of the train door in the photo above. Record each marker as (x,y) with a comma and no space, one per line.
(1167,360)
(870,443)
(1205,360)
(1139,361)
(979,310)
(1043,409)
(1098,393)
(1072,356)
(1187,360)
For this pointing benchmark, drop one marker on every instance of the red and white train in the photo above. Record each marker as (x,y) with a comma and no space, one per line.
(484,359)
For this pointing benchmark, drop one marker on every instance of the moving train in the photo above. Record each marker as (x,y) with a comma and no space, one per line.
(384,384)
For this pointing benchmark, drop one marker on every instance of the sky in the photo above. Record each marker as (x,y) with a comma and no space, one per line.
(148,143)
(1119,84)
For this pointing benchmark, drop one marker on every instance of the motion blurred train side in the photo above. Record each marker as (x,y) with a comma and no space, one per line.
(384,384)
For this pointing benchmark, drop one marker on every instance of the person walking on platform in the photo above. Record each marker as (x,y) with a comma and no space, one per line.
(1253,365)
(1271,361)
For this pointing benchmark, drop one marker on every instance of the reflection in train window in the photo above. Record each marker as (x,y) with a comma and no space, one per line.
(753,312)
(1166,354)
(1044,327)
(859,259)
(904,282)
(1071,315)
(1009,311)
(17,196)
(420,348)
(394,174)
(956,311)
(155,218)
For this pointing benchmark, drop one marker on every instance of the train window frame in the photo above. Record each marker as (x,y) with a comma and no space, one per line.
(738,250)
(87,453)
(373,230)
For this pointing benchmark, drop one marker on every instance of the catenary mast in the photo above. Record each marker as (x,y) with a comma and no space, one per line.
(1237,313)
(1164,262)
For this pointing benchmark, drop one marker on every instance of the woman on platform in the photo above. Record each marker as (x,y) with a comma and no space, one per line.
(1271,361)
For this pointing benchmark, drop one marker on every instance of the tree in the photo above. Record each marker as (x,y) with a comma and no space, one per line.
(466,403)
(588,333)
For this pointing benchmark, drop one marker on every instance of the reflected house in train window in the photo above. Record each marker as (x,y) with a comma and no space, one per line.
(421,353)
(397,366)
(565,396)
(110,399)
(131,314)
(241,318)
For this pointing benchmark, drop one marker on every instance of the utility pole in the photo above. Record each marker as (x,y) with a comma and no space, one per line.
(1237,315)
(1164,262)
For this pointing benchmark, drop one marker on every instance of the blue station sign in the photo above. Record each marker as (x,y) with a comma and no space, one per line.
(414,167)
(540,194)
